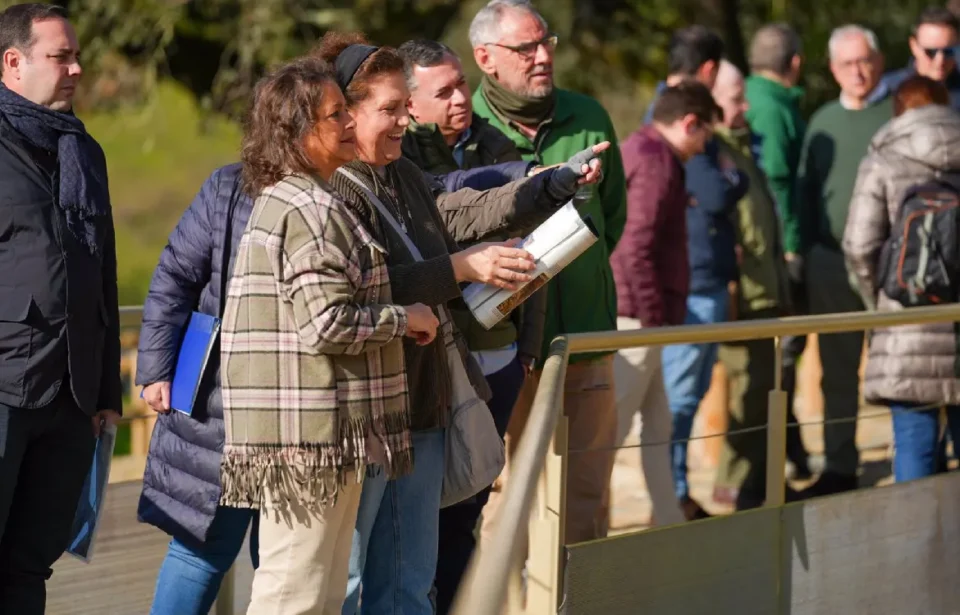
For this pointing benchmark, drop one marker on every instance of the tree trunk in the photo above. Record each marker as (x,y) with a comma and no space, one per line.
(726,14)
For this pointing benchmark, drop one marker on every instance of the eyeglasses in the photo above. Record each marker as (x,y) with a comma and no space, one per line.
(949,53)
(529,50)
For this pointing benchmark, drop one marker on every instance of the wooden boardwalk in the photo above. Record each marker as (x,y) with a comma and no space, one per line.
(121,577)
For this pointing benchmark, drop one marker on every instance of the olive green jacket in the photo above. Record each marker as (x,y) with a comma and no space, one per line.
(763,272)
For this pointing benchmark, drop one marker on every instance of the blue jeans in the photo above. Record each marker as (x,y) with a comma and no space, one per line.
(394,554)
(190,575)
(687,370)
(916,439)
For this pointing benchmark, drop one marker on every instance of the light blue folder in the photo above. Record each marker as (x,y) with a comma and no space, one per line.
(90,505)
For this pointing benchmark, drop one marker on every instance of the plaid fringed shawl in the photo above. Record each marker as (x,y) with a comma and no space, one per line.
(312,360)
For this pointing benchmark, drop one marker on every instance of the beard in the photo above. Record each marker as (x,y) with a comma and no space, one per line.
(538,91)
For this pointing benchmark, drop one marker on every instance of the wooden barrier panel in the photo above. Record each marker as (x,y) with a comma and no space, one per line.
(720,565)
(886,551)
(882,551)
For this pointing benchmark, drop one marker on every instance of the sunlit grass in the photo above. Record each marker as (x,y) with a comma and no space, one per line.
(157,157)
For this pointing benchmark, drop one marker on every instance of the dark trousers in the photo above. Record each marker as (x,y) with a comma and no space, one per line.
(829,291)
(45,454)
(792,347)
(458,523)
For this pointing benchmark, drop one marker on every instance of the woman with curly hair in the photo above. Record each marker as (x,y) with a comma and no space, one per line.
(396,539)
(314,382)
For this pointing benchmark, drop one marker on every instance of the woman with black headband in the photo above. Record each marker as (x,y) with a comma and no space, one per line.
(395,543)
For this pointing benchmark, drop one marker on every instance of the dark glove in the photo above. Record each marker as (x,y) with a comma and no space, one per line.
(563,180)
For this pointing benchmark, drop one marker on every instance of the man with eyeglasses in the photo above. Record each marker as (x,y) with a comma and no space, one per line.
(515,50)
(934,46)
(836,141)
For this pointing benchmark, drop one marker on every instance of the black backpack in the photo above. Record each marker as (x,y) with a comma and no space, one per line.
(920,263)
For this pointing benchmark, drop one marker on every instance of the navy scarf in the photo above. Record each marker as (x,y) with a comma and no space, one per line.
(83,185)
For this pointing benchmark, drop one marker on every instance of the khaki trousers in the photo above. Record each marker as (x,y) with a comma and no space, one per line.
(640,388)
(590,407)
(305,558)
(750,369)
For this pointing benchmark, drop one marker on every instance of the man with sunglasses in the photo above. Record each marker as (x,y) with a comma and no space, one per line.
(514,48)
(934,46)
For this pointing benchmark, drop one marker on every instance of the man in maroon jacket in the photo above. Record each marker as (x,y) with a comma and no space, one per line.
(652,272)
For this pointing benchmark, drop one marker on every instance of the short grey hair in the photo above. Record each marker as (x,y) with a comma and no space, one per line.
(485,27)
(773,48)
(850,30)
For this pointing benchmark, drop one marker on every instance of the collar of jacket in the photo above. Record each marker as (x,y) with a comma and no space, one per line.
(432,154)
(776,90)
(563,112)
(739,137)
(433,145)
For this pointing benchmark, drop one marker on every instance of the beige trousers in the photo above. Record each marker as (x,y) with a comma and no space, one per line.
(639,377)
(591,411)
(304,558)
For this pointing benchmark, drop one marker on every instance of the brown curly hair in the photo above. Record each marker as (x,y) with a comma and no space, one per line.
(384,61)
(283,110)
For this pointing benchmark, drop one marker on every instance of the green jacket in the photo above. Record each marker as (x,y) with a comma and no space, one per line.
(774,115)
(763,272)
(425,146)
(582,297)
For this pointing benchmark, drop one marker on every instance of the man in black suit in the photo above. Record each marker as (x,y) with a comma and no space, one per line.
(59,320)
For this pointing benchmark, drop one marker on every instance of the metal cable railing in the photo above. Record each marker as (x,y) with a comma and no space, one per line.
(484,590)
(754,429)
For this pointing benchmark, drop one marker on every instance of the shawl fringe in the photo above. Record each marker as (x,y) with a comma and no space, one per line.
(275,476)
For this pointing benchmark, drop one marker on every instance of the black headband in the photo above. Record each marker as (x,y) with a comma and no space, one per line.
(349,61)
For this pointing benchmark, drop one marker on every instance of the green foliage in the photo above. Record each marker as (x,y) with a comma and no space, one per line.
(160,73)
(157,158)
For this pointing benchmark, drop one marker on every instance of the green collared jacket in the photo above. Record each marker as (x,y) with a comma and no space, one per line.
(582,297)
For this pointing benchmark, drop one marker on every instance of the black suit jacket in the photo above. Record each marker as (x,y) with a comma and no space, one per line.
(59,311)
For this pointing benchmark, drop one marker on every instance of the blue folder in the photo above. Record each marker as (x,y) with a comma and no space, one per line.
(198,343)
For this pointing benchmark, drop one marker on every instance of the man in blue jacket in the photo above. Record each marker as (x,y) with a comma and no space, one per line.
(715,186)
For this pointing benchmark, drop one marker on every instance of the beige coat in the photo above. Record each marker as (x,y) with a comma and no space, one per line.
(915,363)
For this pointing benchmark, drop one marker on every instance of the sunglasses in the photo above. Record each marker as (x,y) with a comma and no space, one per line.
(949,53)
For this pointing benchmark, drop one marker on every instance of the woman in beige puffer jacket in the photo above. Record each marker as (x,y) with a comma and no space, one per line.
(917,365)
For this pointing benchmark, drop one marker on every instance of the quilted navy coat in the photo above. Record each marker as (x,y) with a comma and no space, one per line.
(181,482)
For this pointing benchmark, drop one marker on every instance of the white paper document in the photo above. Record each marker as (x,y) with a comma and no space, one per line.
(554,244)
